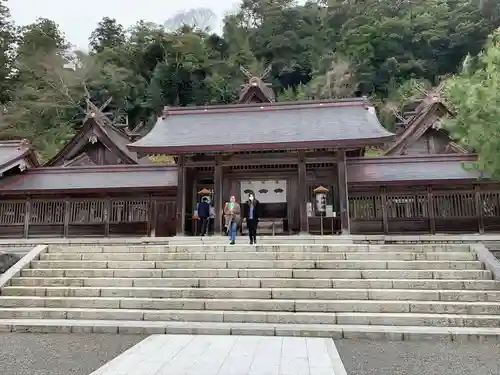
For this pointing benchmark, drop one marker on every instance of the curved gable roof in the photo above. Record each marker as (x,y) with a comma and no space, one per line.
(112,138)
(347,122)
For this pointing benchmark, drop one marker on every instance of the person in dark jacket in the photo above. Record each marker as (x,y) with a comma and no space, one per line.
(204,214)
(252,214)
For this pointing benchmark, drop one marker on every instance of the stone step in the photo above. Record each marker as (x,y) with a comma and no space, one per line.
(386,319)
(276,305)
(261,283)
(405,319)
(258,293)
(335,331)
(408,256)
(264,239)
(262,248)
(263,264)
(263,273)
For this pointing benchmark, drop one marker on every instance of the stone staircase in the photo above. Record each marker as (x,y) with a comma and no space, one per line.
(338,290)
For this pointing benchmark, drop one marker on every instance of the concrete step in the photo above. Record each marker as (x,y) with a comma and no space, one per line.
(260,283)
(275,305)
(263,273)
(414,248)
(407,256)
(258,293)
(263,264)
(331,290)
(387,319)
(335,331)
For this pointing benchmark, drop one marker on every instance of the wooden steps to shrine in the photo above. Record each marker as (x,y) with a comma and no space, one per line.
(333,290)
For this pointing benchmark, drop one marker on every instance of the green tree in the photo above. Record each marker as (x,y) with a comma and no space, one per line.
(42,36)
(317,49)
(7,39)
(108,34)
(45,104)
(476,101)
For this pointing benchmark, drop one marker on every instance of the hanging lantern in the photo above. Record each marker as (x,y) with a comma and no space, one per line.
(320,192)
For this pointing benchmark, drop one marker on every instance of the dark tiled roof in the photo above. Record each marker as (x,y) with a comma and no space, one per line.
(13,153)
(271,125)
(427,168)
(86,178)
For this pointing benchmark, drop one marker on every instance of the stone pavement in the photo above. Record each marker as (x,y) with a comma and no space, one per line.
(227,355)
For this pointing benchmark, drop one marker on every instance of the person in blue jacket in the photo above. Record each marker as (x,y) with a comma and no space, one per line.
(204,214)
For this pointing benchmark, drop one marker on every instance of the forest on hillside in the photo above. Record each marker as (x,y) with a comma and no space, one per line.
(320,49)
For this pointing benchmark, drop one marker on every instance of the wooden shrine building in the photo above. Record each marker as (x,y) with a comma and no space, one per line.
(304,161)
(280,151)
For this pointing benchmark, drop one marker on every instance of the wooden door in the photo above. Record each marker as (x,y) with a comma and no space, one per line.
(165,218)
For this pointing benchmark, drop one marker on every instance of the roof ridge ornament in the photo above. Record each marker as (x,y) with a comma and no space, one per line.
(261,93)
(97,113)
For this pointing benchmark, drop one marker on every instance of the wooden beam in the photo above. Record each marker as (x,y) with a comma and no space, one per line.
(343,195)
(218,195)
(180,204)
(302,193)
(259,160)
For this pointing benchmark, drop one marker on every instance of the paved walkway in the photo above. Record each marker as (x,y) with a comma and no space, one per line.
(227,355)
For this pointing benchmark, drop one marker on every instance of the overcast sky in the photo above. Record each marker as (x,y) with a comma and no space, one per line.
(78,18)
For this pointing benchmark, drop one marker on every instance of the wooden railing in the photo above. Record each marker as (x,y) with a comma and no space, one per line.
(425,211)
(80,217)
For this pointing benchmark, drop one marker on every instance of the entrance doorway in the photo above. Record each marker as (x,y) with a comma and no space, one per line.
(272,196)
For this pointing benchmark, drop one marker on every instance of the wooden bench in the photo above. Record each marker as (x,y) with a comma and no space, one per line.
(268,226)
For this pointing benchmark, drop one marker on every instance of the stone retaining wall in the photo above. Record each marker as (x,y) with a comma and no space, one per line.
(7,260)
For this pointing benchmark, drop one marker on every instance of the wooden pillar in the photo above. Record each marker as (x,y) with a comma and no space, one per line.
(479,208)
(290,198)
(27,216)
(343,194)
(180,204)
(107,216)
(385,216)
(67,208)
(218,195)
(432,217)
(149,224)
(302,193)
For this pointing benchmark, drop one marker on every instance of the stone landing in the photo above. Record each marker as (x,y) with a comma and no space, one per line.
(227,355)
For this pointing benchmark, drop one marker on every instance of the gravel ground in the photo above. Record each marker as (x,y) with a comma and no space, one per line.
(64,354)
(60,354)
(419,358)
